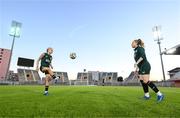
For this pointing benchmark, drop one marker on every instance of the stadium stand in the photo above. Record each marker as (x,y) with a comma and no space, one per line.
(28,76)
(64,80)
(131,80)
(175,76)
(96,78)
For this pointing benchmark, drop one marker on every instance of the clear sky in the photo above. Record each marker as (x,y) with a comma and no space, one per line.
(99,31)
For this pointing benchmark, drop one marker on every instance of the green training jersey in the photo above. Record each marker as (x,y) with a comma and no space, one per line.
(140,52)
(46,60)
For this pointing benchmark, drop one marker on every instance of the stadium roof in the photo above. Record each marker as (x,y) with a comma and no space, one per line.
(173,51)
(177,69)
(175,77)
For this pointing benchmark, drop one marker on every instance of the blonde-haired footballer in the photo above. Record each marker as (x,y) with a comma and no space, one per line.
(143,67)
(46,67)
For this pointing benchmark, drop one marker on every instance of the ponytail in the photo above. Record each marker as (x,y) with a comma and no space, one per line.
(140,42)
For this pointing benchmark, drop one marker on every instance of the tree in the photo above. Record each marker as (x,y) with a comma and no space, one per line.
(120,79)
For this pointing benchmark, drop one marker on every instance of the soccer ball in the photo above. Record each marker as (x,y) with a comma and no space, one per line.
(72,55)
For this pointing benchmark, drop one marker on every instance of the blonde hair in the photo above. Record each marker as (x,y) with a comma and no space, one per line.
(139,42)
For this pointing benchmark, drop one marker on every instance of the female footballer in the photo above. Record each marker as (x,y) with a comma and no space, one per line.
(46,67)
(143,67)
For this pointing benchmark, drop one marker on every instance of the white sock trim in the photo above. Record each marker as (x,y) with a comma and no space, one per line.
(159,93)
(147,94)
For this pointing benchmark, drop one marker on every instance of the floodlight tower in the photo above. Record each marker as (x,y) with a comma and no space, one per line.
(158,38)
(15,33)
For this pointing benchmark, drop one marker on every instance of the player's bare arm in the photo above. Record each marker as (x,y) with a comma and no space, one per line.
(39,59)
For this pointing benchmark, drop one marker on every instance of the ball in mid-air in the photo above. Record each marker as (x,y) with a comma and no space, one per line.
(72,55)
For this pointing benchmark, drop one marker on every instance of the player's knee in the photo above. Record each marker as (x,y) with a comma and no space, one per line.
(46,80)
(47,77)
(146,81)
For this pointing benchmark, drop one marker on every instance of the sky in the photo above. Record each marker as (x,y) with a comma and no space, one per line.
(100,32)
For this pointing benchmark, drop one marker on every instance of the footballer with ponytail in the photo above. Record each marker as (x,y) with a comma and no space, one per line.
(143,68)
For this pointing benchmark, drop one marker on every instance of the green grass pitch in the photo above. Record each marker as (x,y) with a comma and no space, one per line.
(86,101)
